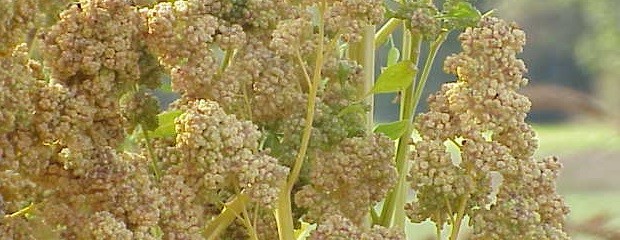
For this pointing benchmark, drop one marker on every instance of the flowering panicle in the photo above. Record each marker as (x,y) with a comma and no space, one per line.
(269,80)
(223,152)
(367,162)
(484,116)
(338,227)
(92,36)
(423,21)
(17,20)
(348,17)
(73,166)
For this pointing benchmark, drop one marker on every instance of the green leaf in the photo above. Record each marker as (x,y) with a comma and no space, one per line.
(165,87)
(352,108)
(304,231)
(392,7)
(395,78)
(393,130)
(462,14)
(166,124)
(393,54)
(452,146)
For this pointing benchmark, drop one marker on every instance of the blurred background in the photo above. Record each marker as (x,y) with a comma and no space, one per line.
(573,56)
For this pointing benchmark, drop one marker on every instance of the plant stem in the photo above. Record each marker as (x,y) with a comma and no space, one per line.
(154,159)
(223,220)
(395,201)
(284,209)
(20,212)
(368,65)
(364,54)
(393,209)
(456,226)
(249,225)
(385,31)
(428,64)
(227,59)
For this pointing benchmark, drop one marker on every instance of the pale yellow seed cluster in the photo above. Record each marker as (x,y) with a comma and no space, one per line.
(483,115)
(338,227)
(370,172)
(222,149)
(423,21)
(93,36)
(348,17)
(103,225)
(16,20)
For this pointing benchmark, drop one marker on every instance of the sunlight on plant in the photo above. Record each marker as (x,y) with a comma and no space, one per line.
(272,135)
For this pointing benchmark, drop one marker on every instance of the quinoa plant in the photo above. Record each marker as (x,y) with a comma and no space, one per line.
(271,136)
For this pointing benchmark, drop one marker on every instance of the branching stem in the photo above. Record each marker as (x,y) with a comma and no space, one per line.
(284,209)
(456,226)
(154,159)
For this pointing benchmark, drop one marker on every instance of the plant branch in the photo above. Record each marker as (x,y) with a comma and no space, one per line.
(392,212)
(149,149)
(284,209)
(428,65)
(385,31)
(456,226)
(225,218)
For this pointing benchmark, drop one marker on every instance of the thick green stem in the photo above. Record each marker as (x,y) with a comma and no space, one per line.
(393,213)
(428,64)
(385,31)
(152,154)
(456,225)
(222,221)
(393,208)
(283,211)
(364,53)
(369,71)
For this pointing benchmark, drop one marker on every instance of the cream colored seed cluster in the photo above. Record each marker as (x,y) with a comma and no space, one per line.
(338,227)
(348,17)
(527,205)
(180,34)
(483,115)
(223,148)
(103,225)
(367,162)
(16,19)
(274,82)
(289,36)
(16,82)
(92,36)
(423,22)
(183,214)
